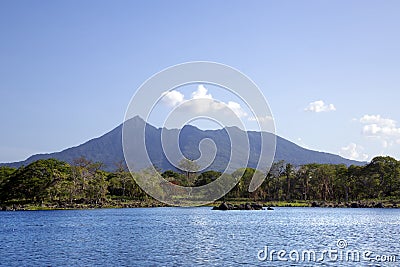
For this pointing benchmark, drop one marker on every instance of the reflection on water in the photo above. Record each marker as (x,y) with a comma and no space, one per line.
(191,236)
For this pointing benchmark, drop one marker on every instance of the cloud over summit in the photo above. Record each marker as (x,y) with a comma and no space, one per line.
(319,106)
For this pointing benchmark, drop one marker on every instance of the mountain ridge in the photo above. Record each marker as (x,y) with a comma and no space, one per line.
(107,148)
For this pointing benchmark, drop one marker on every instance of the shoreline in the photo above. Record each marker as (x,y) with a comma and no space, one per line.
(155,204)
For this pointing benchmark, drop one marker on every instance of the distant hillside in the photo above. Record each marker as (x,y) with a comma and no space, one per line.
(108,149)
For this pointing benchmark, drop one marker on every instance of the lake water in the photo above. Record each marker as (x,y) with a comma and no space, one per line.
(200,236)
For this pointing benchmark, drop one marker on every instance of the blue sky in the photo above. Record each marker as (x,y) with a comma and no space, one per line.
(68,69)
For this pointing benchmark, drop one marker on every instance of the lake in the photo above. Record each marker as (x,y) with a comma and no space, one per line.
(201,237)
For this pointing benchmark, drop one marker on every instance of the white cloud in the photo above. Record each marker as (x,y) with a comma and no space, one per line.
(201,93)
(237,109)
(175,98)
(383,129)
(320,106)
(172,98)
(354,152)
(377,119)
(371,129)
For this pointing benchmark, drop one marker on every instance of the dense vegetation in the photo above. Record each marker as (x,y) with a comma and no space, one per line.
(56,184)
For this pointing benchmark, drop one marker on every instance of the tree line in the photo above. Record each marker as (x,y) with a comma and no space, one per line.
(85,181)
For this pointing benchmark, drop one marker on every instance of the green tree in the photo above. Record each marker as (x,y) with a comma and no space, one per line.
(189,167)
(356,182)
(341,183)
(97,187)
(86,178)
(289,174)
(244,177)
(207,177)
(33,181)
(175,178)
(384,172)
(5,174)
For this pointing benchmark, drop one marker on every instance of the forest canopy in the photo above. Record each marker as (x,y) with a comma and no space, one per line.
(55,182)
